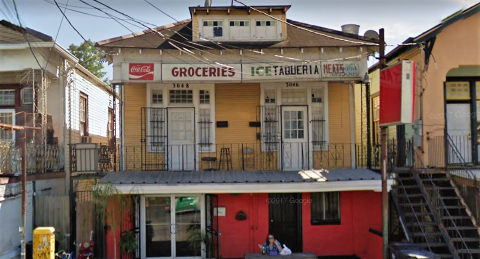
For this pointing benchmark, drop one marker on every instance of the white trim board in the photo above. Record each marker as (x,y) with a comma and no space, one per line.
(360,185)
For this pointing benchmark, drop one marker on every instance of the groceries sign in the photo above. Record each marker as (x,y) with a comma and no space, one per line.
(328,70)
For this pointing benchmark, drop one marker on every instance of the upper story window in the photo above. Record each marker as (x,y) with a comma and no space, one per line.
(266,29)
(27,95)
(7,97)
(213,29)
(157,97)
(270,96)
(240,29)
(7,116)
(204,96)
(181,96)
(83,114)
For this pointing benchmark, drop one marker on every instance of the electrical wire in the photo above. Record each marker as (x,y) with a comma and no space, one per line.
(56,36)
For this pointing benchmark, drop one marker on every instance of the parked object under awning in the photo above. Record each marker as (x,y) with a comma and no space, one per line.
(158,182)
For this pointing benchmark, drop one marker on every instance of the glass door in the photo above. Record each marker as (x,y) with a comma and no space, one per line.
(173,227)
(294,138)
(158,227)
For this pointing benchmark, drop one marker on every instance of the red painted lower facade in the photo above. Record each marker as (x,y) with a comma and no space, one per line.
(360,212)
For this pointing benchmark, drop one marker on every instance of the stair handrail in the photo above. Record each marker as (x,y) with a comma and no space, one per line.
(443,207)
(416,218)
(459,156)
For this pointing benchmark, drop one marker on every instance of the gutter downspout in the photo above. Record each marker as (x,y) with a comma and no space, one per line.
(122,125)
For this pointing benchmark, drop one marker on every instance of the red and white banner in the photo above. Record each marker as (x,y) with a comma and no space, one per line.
(140,71)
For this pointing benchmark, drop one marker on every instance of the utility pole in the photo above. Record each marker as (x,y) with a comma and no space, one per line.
(383,132)
(24,190)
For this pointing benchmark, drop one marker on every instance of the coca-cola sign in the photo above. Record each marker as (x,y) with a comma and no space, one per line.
(141,71)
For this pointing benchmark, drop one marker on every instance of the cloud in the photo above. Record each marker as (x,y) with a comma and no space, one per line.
(464,3)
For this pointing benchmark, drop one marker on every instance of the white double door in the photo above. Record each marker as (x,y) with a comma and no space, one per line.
(295,146)
(172,226)
(181,139)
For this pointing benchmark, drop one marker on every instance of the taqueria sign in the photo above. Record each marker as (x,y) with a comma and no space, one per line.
(327,70)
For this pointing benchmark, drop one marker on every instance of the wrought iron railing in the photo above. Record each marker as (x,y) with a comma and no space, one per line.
(40,158)
(239,157)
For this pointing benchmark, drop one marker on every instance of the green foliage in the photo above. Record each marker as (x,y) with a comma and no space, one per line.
(128,242)
(196,238)
(89,58)
(110,205)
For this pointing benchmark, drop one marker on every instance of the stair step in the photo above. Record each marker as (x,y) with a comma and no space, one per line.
(456,217)
(430,244)
(420,234)
(449,198)
(418,214)
(460,228)
(415,195)
(410,187)
(466,251)
(413,204)
(465,239)
(454,207)
(444,255)
(441,188)
(423,224)
(407,178)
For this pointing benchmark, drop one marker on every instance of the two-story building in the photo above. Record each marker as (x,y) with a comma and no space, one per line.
(240,121)
(59,104)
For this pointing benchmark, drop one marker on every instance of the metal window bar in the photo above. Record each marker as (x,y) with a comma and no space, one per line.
(154,138)
(270,128)
(205,126)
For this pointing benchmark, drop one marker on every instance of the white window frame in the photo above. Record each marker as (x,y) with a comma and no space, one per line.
(11,111)
(308,86)
(165,88)
(223,26)
(14,95)
(23,95)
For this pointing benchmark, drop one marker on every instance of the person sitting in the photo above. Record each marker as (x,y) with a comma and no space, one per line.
(271,245)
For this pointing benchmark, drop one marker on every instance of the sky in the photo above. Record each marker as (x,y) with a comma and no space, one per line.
(400,18)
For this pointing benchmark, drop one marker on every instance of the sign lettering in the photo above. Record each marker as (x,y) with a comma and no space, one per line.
(140,71)
(340,69)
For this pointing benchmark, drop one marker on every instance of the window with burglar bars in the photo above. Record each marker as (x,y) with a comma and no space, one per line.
(156,135)
(270,127)
(318,119)
(325,208)
(205,126)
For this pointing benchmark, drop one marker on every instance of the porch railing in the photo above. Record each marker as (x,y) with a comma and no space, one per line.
(40,158)
(93,158)
(240,156)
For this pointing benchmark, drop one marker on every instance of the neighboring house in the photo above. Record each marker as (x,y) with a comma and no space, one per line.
(256,133)
(60,104)
(447,96)
(434,159)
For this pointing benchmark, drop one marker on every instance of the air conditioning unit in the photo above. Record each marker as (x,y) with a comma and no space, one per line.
(86,139)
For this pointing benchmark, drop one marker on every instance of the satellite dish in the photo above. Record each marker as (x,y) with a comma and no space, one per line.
(371,34)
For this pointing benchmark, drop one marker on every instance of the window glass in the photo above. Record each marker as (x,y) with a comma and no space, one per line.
(7,97)
(157,97)
(458,90)
(318,119)
(181,96)
(325,208)
(204,97)
(293,96)
(7,117)
(294,124)
(270,96)
(27,95)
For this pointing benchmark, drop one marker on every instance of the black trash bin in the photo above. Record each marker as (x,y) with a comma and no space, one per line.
(409,251)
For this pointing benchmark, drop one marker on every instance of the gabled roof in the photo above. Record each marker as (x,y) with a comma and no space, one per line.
(11,33)
(181,33)
(430,33)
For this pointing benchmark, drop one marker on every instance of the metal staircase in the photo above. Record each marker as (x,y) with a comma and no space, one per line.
(432,212)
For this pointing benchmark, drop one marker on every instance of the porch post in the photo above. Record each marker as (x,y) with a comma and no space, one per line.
(383,131)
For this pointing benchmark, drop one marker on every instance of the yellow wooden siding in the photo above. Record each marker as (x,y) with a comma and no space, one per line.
(135,99)
(340,147)
(284,26)
(195,27)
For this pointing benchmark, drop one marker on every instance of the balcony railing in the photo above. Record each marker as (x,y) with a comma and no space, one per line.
(93,158)
(239,157)
(40,159)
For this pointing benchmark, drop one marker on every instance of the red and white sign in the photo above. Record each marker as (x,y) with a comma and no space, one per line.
(397,94)
(201,72)
(141,71)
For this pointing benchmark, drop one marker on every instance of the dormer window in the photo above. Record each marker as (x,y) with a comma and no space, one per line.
(239,29)
(266,29)
(213,29)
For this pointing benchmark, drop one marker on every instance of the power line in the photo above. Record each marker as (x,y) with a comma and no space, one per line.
(56,36)
(25,36)
(66,18)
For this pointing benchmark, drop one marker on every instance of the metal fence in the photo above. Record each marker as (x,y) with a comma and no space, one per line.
(40,158)
(93,158)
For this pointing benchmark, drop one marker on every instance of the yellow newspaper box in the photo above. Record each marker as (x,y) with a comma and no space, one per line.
(44,243)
